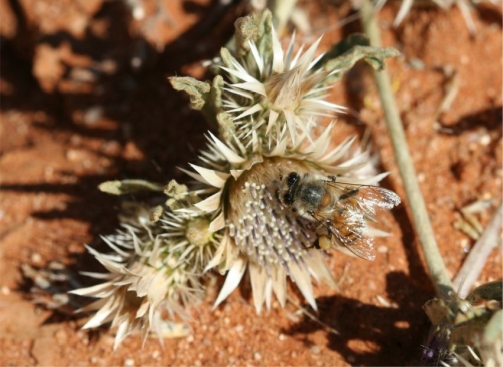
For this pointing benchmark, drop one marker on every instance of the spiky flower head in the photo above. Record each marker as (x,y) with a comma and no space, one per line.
(263,94)
(258,231)
(186,229)
(155,269)
(272,91)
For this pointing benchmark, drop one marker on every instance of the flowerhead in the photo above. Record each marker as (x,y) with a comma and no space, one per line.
(259,232)
(270,91)
(155,269)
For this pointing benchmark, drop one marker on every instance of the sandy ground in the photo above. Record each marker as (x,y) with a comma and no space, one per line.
(85,99)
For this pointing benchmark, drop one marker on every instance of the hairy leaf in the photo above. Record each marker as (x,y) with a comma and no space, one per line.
(128,186)
(345,54)
(198,91)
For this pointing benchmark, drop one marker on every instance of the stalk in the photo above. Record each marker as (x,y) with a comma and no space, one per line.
(477,258)
(424,230)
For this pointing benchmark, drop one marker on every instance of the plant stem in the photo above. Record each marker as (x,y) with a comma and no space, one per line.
(477,258)
(436,267)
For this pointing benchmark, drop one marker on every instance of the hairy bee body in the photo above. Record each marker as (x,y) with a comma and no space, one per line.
(341,209)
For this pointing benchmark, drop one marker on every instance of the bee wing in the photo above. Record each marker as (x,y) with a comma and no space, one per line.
(354,239)
(367,198)
(363,247)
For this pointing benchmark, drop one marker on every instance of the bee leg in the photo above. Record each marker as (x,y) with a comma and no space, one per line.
(329,225)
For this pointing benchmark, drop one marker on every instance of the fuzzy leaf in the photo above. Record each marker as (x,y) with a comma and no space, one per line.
(346,53)
(198,91)
(264,41)
(256,28)
(247,29)
(204,97)
(128,186)
(217,88)
(226,127)
(176,191)
(156,213)
(487,291)
(228,60)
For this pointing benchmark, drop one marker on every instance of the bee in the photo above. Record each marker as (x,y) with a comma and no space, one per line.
(339,209)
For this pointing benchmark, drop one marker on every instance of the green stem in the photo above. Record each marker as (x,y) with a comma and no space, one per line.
(436,267)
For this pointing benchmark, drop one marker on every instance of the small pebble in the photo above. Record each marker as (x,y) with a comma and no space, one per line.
(136,62)
(382,301)
(36,258)
(138,12)
(485,139)
(416,64)
(93,115)
(382,249)
(402,324)
(93,360)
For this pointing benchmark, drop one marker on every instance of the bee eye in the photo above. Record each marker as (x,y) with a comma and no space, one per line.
(292,178)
